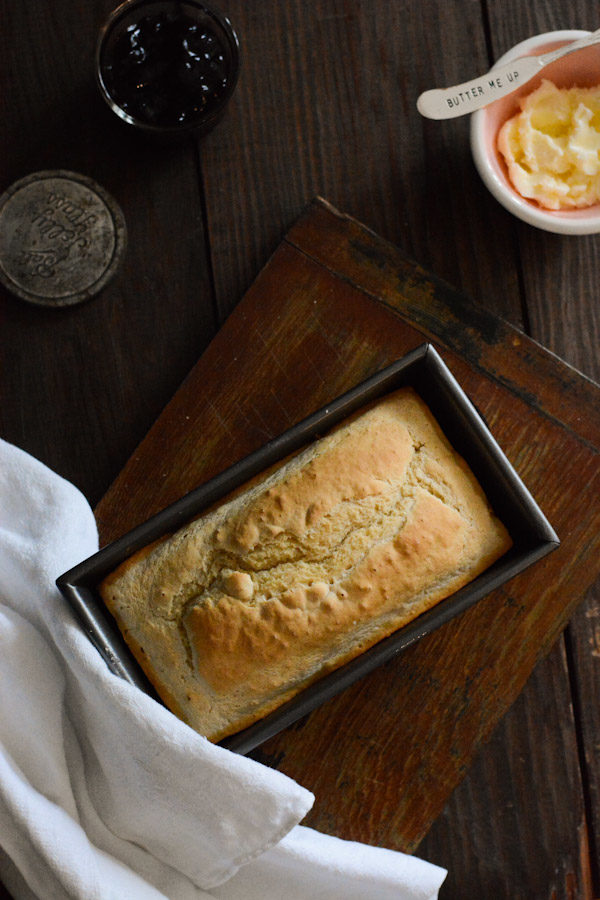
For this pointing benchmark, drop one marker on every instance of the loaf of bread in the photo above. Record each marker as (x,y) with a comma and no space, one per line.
(306,567)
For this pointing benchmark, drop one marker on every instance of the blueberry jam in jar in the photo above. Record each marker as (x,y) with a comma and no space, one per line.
(167,66)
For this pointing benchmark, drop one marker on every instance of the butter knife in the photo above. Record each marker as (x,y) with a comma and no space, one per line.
(451,102)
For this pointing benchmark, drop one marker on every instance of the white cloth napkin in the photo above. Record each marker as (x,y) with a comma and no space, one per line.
(106,794)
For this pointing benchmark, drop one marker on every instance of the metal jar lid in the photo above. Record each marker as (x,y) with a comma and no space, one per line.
(62,238)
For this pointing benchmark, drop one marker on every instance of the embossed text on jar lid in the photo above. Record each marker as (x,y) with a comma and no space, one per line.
(62,238)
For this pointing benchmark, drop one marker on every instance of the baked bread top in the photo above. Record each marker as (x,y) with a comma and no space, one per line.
(312,563)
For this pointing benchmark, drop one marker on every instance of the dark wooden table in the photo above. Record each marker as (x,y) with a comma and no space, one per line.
(325,105)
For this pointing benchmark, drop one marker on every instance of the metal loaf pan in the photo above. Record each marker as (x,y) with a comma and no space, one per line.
(424,370)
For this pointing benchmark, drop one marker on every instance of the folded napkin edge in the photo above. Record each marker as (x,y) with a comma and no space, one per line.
(246,858)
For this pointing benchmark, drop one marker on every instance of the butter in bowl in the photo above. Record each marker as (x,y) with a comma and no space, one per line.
(271,588)
(536,148)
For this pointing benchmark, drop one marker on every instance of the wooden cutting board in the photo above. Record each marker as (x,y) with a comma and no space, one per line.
(334,304)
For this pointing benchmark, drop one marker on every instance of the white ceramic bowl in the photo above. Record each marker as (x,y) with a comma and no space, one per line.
(580,69)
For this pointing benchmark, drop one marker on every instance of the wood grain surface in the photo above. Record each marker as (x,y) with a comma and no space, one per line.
(325,105)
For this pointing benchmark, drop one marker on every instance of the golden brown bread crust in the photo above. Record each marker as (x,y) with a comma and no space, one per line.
(317,560)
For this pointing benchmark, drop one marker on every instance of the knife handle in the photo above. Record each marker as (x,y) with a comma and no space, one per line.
(449,103)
